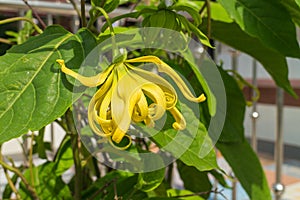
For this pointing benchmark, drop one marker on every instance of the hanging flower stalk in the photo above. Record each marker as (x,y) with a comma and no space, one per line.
(127,93)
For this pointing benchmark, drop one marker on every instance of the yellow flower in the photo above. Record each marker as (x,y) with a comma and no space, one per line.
(127,93)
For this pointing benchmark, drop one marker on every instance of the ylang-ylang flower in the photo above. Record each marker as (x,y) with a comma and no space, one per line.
(129,94)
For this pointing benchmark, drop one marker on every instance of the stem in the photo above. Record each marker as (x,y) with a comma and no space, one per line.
(170,174)
(83,17)
(15,19)
(208,9)
(76,154)
(30,160)
(75,8)
(112,32)
(35,14)
(17,172)
(115,191)
(5,41)
(10,182)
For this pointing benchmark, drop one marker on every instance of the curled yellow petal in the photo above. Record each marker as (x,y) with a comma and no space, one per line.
(118,135)
(94,106)
(140,111)
(121,147)
(166,87)
(155,93)
(163,67)
(180,123)
(92,81)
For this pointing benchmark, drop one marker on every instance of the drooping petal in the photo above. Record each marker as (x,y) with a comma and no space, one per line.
(168,89)
(180,123)
(111,141)
(140,112)
(163,67)
(92,81)
(94,106)
(155,93)
(124,99)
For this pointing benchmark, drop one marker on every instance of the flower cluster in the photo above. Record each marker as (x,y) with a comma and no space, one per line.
(129,94)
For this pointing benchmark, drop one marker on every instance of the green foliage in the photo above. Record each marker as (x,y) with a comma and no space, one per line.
(272,26)
(46,183)
(233,130)
(246,167)
(34,93)
(148,181)
(194,180)
(192,145)
(293,9)
(274,62)
(35,87)
(24,34)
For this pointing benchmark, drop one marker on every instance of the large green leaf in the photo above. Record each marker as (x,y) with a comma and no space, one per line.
(298,2)
(64,157)
(192,145)
(193,179)
(148,181)
(233,130)
(119,182)
(46,183)
(183,194)
(33,91)
(293,9)
(246,168)
(274,62)
(266,20)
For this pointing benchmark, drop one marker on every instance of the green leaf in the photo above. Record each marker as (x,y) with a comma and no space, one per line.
(119,181)
(148,181)
(233,130)
(298,2)
(220,178)
(64,157)
(191,27)
(160,198)
(192,11)
(192,145)
(293,9)
(107,5)
(176,192)
(273,62)
(266,20)
(247,168)
(33,91)
(193,179)
(46,183)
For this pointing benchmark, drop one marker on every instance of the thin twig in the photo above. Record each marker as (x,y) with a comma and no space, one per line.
(75,8)
(102,188)
(30,159)
(208,10)
(9,181)
(11,184)
(76,154)
(15,19)
(5,41)
(202,8)
(115,190)
(35,14)
(17,172)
